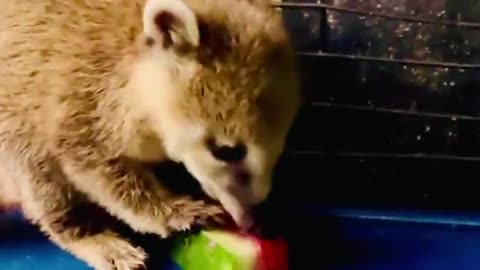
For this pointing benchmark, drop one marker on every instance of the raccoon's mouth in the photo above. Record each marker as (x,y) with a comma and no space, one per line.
(237,200)
(239,212)
(232,203)
(233,197)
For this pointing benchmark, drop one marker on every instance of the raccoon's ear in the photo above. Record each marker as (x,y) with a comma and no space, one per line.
(170,23)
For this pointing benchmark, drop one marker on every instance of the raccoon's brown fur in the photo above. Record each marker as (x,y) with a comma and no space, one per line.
(90,89)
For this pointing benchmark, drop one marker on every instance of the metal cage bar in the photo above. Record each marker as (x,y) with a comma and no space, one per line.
(322,53)
(412,19)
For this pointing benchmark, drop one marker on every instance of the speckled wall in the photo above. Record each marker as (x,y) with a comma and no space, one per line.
(387,134)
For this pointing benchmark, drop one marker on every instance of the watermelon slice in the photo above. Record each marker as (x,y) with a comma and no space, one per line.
(224,250)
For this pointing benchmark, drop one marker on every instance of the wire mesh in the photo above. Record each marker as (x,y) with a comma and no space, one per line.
(324,7)
(323,53)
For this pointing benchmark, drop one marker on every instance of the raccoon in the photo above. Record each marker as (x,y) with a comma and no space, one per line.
(92,89)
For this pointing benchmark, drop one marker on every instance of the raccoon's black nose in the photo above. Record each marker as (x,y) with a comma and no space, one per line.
(228,154)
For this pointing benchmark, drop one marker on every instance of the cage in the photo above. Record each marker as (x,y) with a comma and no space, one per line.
(380,167)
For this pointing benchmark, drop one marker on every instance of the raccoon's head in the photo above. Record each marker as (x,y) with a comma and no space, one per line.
(221,88)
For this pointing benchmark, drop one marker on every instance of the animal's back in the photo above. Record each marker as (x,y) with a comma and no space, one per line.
(49,51)
(52,49)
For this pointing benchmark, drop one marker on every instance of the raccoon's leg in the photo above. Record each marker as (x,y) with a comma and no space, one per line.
(133,194)
(65,215)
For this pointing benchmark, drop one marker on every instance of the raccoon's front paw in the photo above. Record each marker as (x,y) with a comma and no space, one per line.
(122,256)
(186,212)
(110,252)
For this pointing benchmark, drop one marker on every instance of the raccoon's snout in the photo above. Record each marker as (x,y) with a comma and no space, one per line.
(242,177)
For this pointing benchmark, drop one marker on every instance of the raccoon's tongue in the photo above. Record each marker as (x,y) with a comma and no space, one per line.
(239,212)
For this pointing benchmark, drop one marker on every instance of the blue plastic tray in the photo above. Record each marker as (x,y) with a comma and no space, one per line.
(360,240)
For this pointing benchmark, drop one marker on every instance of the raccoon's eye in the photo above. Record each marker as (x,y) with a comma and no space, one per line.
(225,153)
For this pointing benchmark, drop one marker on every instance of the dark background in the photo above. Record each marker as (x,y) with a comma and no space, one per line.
(382,134)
